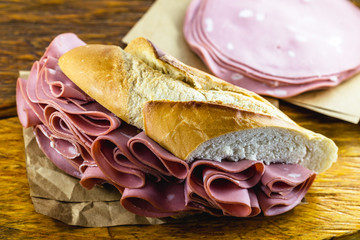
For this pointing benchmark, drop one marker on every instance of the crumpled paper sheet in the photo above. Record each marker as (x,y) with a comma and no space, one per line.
(60,196)
(163,25)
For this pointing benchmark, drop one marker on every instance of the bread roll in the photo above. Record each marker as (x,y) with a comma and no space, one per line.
(190,113)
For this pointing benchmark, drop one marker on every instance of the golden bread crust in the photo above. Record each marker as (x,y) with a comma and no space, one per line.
(180,107)
(181,127)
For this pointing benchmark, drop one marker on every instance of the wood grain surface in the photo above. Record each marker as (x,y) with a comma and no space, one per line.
(27,27)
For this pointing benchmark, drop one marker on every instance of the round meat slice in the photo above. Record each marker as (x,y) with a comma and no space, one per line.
(289,42)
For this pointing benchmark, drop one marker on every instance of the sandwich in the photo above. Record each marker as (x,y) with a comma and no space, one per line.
(172,139)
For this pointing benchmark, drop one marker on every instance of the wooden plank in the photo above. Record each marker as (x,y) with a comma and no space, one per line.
(27,27)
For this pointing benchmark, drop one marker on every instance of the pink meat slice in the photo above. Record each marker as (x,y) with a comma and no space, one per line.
(234,74)
(225,185)
(196,202)
(26,110)
(91,117)
(92,176)
(283,186)
(43,138)
(254,23)
(62,44)
(60,85)
(116,161)
(154,156)
(279,91)
(268,88)
(244,42)
(155,199)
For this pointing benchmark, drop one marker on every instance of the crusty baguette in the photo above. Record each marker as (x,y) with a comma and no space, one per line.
(123,81)
(201,130)
(109,74)
(156,59)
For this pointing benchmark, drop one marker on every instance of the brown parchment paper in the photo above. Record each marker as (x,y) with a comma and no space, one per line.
(60,196)
(339,102)
(163,25)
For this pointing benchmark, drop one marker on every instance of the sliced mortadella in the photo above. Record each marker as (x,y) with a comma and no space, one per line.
(62,86)
(155,199)
(85,140)
(287,43)
(25,109)
(92,176)
(284,54)
(57,123)
(244,173)
(50,62)
(62,44)
(219,58)
(254,202)
(225,185)
(111,154)
(84,127)
(196,202)
(43,139)
(229,71)
(263,88)
(280,177)
(60,124)
(91,117)
(277,206)
(270,87)
(151,154)
(94,123)
(283,187)
(232,199)
(66,148)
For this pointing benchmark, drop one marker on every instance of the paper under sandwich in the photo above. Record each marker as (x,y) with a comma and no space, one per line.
(169,137)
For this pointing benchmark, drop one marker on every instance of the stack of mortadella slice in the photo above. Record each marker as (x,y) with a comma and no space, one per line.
(276,48)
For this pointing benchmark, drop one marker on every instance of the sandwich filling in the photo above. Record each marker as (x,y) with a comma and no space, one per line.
(90,143)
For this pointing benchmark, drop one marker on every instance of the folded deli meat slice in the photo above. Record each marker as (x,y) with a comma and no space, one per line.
(285,183)
(112,156)
(280,48)
(155,199)
(42,135)
(93,176)
(157,158)
(225,186)
(88,142)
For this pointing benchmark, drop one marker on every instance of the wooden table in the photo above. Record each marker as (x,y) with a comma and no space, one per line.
(27,27)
